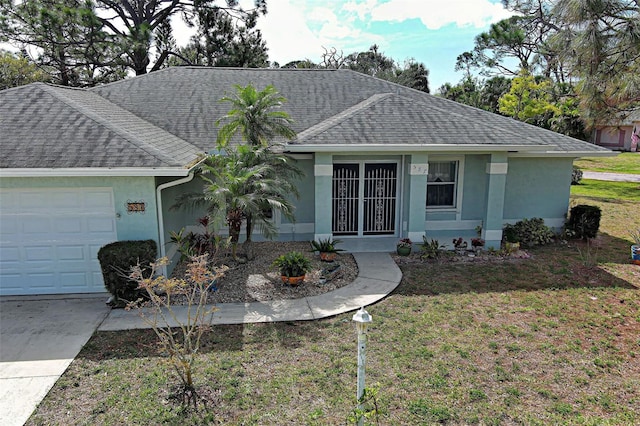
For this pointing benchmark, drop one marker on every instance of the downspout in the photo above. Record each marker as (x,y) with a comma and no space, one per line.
(159,189)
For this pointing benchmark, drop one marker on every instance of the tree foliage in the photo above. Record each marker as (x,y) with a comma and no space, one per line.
(590,51)
(17,70)
(70,41)
(601,41)
(85,42)
(372,62)
(529,99)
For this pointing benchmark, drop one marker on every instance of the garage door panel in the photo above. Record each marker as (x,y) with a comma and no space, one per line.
(100,225)
(68,225)
(50,239)
(73,280)
(66,253)
(41,281)
(8,226)
(98,200)
(30,225)
(8,255)
(12,283)
(38,253)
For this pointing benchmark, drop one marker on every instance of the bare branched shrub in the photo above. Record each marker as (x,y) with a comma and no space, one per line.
(179,327)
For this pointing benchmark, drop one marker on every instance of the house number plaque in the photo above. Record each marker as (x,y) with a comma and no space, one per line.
(136,207)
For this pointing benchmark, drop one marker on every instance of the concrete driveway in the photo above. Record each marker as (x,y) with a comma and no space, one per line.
(39,337)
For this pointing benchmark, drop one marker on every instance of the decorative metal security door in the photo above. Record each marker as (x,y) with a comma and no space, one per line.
(376,191)
(379,199)
(346,196)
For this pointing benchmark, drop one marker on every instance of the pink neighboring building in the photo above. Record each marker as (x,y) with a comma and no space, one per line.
(621,136)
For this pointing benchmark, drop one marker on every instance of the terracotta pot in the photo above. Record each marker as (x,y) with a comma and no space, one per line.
(292,281)
(403,251)
(327,256)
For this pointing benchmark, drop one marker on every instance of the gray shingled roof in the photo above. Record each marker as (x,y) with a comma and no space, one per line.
(44,126)
(185,102)
(166,119)
(376,119)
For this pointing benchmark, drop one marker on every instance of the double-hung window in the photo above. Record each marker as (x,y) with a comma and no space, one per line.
(442,184)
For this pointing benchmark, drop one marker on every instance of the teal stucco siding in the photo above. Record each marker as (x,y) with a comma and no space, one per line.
(538,187)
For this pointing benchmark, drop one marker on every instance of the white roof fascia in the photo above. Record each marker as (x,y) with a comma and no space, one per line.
(93,171)
(370,148)
(571,154)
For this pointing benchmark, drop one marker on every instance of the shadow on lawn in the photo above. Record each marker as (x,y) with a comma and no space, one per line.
(221,338)
(551,267)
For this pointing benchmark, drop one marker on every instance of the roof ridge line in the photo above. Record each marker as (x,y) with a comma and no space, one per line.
(127,135)
(338,118)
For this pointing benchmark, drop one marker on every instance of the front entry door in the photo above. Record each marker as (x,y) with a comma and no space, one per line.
(364,198)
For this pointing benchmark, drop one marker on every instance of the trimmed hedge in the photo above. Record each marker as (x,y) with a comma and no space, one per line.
(117,259)
(584,221)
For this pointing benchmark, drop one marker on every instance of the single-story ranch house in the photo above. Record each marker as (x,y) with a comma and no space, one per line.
(80,168)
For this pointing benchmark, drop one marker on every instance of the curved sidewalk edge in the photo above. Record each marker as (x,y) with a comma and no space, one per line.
(378,275)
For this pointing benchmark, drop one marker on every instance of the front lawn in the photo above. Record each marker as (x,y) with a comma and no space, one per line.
(626,162)
(546,340)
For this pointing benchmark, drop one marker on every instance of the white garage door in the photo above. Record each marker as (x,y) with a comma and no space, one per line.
(49,239)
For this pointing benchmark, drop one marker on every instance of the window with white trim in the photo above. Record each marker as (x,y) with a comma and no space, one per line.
(442,184)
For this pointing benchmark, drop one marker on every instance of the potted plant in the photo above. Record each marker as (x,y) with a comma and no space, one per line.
(635,248)
(293,266)
(403,247)
(326,248)
(459,245)
(477,243)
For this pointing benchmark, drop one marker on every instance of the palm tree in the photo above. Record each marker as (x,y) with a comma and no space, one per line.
(256,116)
(243,185)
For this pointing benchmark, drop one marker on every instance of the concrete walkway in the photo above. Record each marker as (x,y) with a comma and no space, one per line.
(40,338)
(615,177)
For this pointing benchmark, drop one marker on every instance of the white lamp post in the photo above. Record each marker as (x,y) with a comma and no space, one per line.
(362,320)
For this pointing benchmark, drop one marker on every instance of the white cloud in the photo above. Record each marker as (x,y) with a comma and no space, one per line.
(436,14)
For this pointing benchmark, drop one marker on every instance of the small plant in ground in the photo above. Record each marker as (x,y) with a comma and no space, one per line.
(179,335)
(431,249)
(196,244)
(367,408)
(589,253)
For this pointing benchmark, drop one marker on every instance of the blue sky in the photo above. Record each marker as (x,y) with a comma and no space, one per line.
(432,32)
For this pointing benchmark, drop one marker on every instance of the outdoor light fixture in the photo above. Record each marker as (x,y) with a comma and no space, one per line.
(362,320)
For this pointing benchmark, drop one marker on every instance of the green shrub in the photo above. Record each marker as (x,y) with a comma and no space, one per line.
(529,232)
(584,221)
(116,262)
(576,176)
